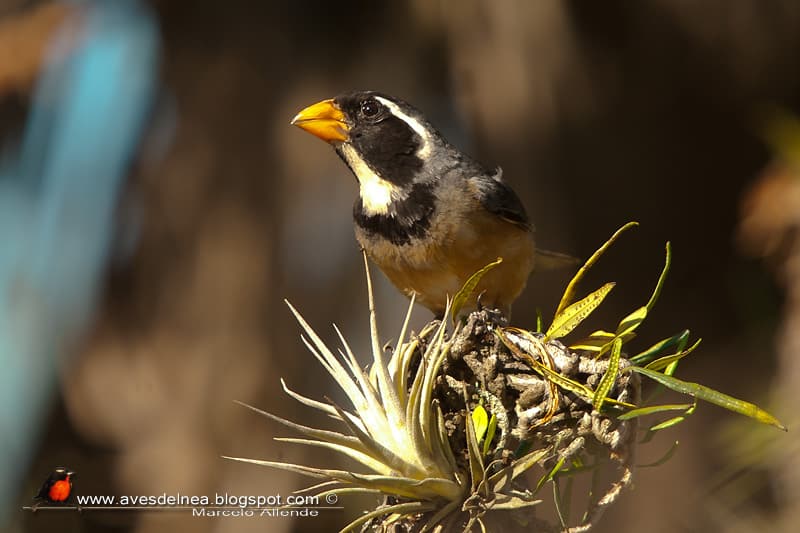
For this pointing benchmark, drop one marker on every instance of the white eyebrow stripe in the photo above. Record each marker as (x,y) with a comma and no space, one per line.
(414,124)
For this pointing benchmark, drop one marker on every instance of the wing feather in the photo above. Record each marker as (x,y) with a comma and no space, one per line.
(500,199)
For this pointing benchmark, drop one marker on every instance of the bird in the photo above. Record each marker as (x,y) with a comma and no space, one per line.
(427,214)
(57,487)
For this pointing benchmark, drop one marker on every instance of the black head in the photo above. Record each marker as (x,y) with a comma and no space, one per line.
(394,153)
(61,473)
(388,135)
(391,136)
(58,474)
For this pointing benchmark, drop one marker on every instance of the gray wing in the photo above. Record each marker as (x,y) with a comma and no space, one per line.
(500,199)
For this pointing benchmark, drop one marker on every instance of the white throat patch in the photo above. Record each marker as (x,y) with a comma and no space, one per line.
(425,150)
(376,193)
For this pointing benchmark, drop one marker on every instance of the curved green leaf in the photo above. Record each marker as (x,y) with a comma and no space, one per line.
(663,362)
(594,342)
(506,501)
(660,347)
(476,468)
(666,457)
(549,475)
(631,322)
(610,377)
(490,434)
(669,423)
(707,394)
(499,480)
(644,411)
(661,278)
(568,319)
(466,291)
(570,291)
(480,419)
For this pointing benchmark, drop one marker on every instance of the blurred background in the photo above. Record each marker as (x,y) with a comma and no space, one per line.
(156,208)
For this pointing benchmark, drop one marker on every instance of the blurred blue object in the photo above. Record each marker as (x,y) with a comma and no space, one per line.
(58,194)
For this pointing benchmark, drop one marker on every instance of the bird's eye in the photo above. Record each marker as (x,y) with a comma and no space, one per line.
(370,108)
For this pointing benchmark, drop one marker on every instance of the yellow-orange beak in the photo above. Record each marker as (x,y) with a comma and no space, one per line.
(324,120)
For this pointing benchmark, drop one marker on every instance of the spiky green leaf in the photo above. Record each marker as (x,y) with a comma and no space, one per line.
(402,509)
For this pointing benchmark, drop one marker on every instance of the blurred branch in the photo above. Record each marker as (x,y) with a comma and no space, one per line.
(769,228)
(23,42)
(57,200)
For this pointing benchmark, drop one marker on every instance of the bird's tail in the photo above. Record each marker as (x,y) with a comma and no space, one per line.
(549,260)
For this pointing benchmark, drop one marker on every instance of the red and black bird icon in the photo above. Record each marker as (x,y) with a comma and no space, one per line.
(57,488)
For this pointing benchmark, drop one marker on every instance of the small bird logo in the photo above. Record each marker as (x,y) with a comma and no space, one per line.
(57,488)
(427,214)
